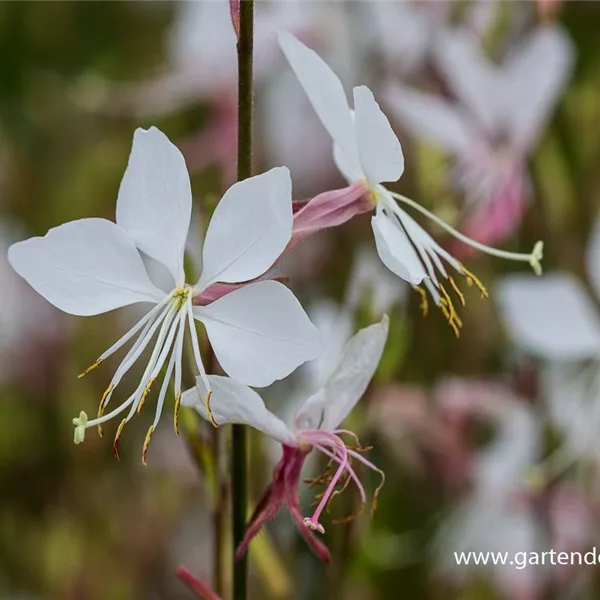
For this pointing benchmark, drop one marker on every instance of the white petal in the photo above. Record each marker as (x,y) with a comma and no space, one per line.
(260,333)
(395,250)
(472,77)
(233,402)
(249,229)
(551,316)
(425,115)
(326,94)
(536,76)
(378,147)
(84,267)
(592,257)
(330,406)
(154,204)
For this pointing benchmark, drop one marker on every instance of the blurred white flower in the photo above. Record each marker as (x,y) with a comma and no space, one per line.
(495,122)
(367,152)
(404,32)
(259,332)
(555,319)
(369,278)
(497,514)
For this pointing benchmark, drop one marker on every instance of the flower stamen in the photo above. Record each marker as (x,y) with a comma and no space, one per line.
(147,443)
(474,280)
(457,291)
(208,409)
(176,412)
(424,305)
(90,368)
(116,440)
(102,407)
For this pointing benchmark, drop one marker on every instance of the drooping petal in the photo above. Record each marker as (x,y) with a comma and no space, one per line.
(154,204)
(331,405)
(233,402)
(395,250)
(249,229)
(326,94)
(84,267)
(535,77)
(592,257)
(378,147)
(474,80)
(260,333)
(552,316)
(425,115)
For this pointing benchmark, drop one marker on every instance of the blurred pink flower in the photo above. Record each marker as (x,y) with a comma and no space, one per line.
(495,121)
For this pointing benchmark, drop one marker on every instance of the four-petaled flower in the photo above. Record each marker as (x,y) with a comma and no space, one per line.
(316,427)
(367,152)
(259,331)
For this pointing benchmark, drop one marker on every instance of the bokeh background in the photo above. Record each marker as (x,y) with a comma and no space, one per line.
(488,441)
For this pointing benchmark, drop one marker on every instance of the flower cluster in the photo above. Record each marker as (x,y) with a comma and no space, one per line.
(257,329)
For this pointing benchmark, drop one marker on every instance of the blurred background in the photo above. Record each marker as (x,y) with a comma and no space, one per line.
(488,441)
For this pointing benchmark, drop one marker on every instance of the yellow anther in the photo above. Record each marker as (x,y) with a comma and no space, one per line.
(473,280)
(376,494)
(176,412)
(102,406)
(117,436)
(145,393)
(455,289)
(147,443)
(90,368)
(424,306)
(447,308)
(208,410)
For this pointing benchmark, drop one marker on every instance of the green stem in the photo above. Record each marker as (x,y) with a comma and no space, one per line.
(239,442)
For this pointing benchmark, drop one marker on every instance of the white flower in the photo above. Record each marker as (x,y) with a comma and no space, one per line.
(259,331)
(555,319)
(497,514)
(316,422)
(367,150)
(496,119)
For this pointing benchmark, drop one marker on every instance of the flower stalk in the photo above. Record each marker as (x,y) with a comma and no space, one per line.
(239,443)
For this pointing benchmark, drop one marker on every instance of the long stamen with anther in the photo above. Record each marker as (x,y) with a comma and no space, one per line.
(198,359)
(456,290)
(338,447)
(102,406)
(116,440)
(124,339)
(474,280)
(147,443)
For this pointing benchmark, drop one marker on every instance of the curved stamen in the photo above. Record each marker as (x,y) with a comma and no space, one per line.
(133,355)
(198,359)
(353,475)
(165,330)
(125,338)
(337,445)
